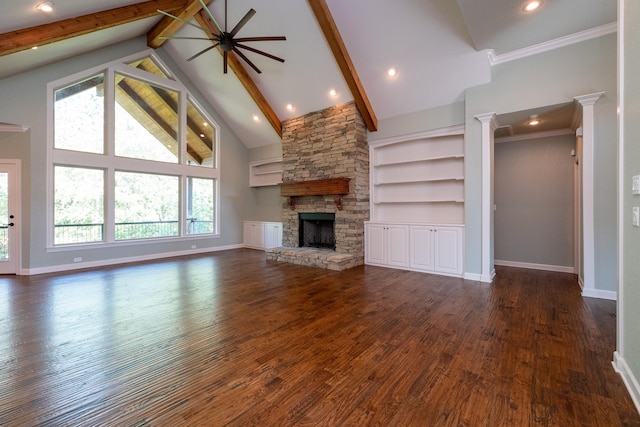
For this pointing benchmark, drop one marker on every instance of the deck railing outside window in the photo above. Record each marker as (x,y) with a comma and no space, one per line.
(87,233)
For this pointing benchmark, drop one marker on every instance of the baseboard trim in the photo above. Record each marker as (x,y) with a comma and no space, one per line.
(630,381)
(486,278)
(532,266)
(599,293)
(472,276)
(115,261)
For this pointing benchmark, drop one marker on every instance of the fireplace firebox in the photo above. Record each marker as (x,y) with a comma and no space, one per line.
(317,230)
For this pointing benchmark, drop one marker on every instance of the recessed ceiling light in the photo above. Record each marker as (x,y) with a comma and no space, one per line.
(205,124)
(290,107)
(202,135)
(392,73)
(46,6)
(34,47)
(333,93)
(256,118)
(530,6)
(533,120)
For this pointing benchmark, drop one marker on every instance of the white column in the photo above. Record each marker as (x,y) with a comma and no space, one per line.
(588,204)
(489,125)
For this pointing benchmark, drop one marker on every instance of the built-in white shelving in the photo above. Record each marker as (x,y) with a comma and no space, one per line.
(265,172)
(419,178)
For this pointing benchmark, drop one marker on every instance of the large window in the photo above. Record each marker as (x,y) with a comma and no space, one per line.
(132,157)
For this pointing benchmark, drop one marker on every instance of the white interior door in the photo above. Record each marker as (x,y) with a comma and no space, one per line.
(9,217)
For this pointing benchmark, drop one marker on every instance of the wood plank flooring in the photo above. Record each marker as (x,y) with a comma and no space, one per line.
(232,339)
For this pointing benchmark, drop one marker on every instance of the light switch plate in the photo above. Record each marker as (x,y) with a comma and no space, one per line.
(635,185)
(636,216)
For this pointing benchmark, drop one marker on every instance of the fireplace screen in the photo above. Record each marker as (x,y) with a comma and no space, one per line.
(317,230)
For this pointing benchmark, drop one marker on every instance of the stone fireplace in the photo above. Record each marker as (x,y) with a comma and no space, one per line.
(325,172)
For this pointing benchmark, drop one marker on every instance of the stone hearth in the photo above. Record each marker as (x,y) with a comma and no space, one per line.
(327,144)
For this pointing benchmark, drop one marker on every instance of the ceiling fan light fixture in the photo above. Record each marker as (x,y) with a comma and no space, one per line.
(532,5)
(46,7)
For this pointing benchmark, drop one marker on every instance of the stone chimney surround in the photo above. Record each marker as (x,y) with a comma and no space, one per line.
(325,169)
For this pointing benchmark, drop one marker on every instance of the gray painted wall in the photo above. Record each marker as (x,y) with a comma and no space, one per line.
(551,78)
(629,311)
(25,102)
(534,193)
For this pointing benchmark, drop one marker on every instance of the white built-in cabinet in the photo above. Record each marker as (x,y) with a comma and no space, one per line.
(436,248)
(265,172)
(417,185)
(262,235)
(387,244)
(417,247)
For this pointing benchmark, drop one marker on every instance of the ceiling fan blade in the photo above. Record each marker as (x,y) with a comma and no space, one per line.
(260,39)
(225,61)
(187,38)
(242,22)
(213,19)
(251,64)
(186,22)
(260,52)
(204,51)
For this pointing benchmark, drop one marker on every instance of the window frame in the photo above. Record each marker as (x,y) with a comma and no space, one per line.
(111,163)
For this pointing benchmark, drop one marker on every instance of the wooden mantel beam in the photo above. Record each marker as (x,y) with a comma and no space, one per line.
(20,40)
(241,73)
(332,35)
(167,26)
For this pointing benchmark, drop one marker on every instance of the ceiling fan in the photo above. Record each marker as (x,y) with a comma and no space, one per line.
(227,40)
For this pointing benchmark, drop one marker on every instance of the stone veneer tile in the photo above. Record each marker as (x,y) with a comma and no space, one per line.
(331,143)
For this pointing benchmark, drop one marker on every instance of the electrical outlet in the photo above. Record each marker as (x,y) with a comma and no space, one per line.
(636,216)
(635,185)
(77,259)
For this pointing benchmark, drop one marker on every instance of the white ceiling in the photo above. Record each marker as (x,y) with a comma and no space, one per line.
(438,46)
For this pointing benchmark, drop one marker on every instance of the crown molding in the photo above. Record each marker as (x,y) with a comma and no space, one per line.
(552,44)
(535,135)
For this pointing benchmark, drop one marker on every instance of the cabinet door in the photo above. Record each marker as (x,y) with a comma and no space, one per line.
(247,233)
(397,245)
(374,244)
(272,235)
(253,234)
(421,247)
(448,250)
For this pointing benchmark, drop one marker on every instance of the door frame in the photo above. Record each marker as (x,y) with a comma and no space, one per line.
(13,166)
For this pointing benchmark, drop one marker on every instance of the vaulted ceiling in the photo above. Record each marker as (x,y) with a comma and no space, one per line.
(439,47)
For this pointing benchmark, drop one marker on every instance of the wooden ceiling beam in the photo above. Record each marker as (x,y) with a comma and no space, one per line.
(167,26)
(332,35)
(241,73)
(20,40)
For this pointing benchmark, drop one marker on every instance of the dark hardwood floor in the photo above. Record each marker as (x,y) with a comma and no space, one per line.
(231,339)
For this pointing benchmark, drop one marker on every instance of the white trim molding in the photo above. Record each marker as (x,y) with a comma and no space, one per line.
(621,367)
(532,266)
(489,125)
(114,261)
(8,127)
(599,293)
(592,33)
(587,103)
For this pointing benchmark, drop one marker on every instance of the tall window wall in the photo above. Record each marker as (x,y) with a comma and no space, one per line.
(131,156)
